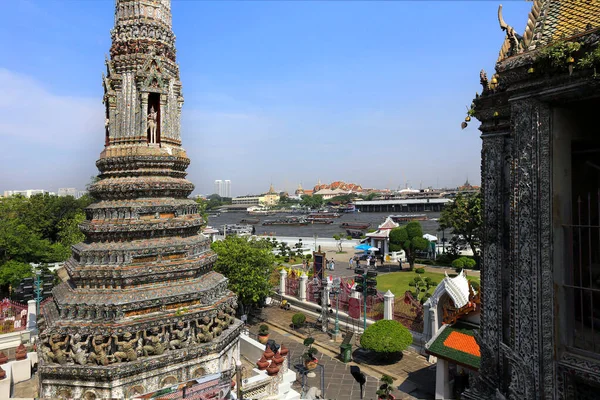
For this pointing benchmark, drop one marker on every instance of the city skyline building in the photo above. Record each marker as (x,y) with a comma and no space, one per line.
(142,308)
(67,192)
(226,188)
(223,187)
(25,193)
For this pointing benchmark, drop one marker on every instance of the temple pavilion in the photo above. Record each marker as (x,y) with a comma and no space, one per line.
(452,316)
(539,335)
(142,308)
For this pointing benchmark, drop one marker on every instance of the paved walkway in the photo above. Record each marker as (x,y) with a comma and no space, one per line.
(26,389)
(414,376)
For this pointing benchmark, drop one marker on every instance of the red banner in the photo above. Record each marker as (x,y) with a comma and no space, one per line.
(354,307)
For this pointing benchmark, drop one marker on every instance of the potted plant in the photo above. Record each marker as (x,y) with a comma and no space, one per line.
(310,361)
(386,388)
(263,334)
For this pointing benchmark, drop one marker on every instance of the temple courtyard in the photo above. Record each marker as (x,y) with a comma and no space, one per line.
(414,377)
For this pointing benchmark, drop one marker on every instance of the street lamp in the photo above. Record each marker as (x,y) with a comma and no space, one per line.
(38,290)
(336,291)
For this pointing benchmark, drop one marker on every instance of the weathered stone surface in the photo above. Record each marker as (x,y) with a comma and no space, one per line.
(142,307)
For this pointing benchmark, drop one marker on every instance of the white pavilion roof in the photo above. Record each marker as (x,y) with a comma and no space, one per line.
(457,288)
(388,224)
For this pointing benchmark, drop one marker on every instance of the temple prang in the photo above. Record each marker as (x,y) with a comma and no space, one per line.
(142,307)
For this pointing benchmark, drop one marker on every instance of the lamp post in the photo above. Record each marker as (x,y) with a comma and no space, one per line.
(38,290)
(336,291)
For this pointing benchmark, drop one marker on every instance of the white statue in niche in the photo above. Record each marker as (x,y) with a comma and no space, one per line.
(152,120)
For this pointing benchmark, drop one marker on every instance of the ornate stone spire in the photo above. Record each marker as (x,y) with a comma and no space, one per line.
(142,298)
(142,89)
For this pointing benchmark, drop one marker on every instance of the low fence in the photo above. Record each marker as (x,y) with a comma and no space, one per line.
(406,310)
(409,312)
(13,316)
(292,284)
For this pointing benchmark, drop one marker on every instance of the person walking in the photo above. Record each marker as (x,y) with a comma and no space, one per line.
(350,262)
(332,264)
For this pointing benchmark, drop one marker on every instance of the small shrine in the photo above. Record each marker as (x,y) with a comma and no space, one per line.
(452,314)
(381,237)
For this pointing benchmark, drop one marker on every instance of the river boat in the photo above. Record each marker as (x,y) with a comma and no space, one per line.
(348,208)
(297,221)
(408,217)
(261,212)
(325,215)
(319,221)
(251,221)
(355,225)
(354,234)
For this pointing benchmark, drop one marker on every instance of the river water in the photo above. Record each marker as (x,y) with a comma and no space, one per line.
(322,230)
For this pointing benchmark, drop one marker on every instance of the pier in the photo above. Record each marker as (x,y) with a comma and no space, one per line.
(400,206)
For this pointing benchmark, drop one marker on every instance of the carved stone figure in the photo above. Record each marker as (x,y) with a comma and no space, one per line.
(100,353)
(152,121)
(58,348)
(483,79)
(179,335)
(203,333)
(153,342)
(126,348)
(79,349)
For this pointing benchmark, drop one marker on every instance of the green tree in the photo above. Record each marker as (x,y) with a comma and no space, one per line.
(340,237)
(463,217)
(314,202)
(342,199)
(40,229)
(11,274)
(248,264)
(422,286)
(202,209)
(410,239)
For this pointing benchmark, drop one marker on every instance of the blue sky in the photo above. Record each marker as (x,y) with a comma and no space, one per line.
(283,92)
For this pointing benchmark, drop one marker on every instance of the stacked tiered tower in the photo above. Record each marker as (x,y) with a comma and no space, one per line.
(142,308)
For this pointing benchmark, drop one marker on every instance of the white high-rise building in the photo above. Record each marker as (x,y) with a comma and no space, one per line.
(227,189)
(26,193)
(219,187)
(67,192)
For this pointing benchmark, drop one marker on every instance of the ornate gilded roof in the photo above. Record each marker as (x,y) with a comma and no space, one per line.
(548,22)
(558,19)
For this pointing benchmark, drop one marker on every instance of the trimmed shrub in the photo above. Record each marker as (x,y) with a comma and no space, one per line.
(458,264)
(386,337)
(263,330)
(463,262)
(298,319)
(420,270)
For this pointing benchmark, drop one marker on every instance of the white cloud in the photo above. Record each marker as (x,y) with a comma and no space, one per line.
(32,114)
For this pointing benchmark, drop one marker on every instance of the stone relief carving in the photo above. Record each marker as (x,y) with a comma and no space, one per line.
(97,349)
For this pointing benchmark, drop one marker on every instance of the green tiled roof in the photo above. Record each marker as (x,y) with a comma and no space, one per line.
(456,349)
